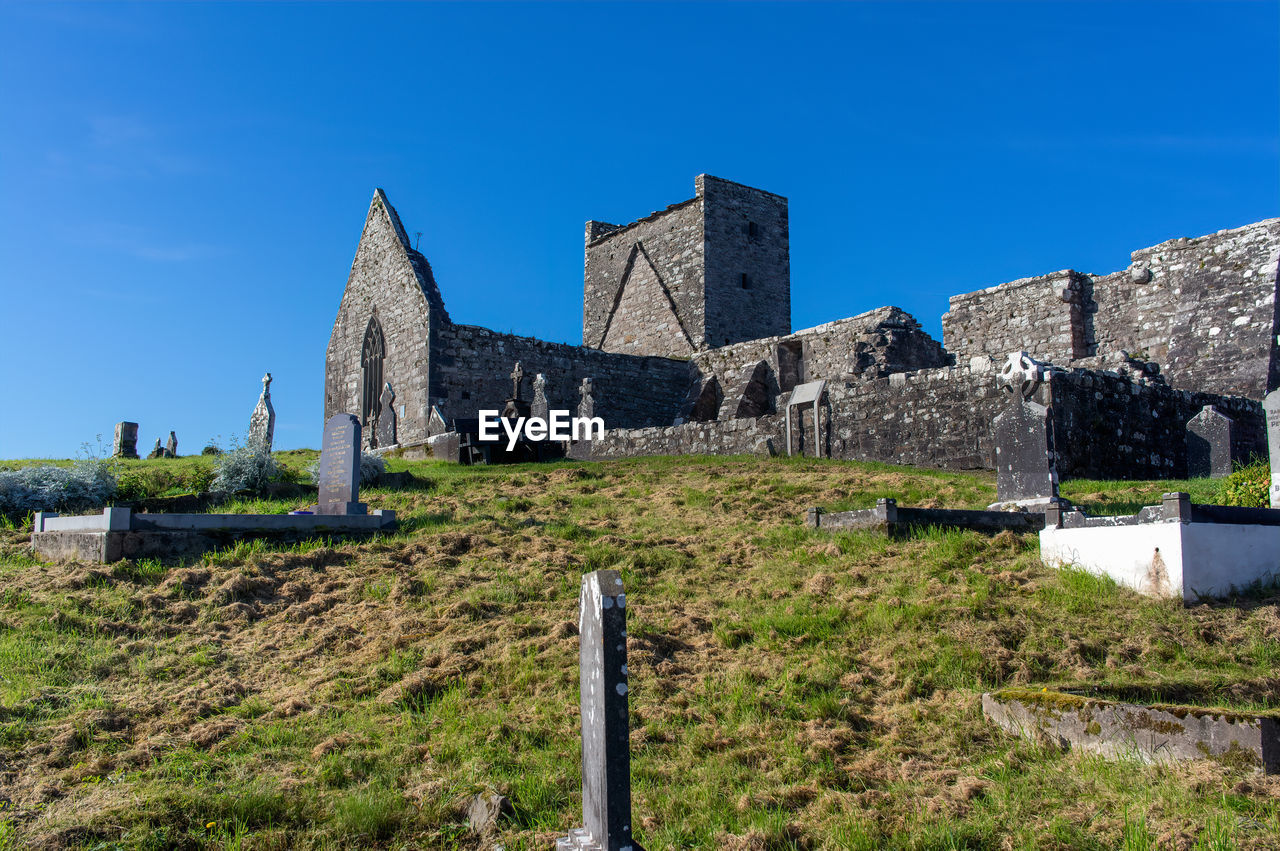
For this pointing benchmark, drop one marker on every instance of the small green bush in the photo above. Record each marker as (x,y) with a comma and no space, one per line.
(148,482)
(1248,486)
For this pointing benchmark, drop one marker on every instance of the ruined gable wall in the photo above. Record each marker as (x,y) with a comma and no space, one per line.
(471,366)
(1204,309)
(382,279)
(747,232)
(673,240)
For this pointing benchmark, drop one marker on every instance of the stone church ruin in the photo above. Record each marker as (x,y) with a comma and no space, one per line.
(688,348)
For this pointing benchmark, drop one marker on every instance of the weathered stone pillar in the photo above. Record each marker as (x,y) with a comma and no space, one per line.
(126,441)
(606,755)
(587,404)
(1271,404)
(540,407)
(262,423)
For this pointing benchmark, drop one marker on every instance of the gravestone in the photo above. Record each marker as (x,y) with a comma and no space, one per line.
(158,452)
(386,426)
(587,404)
(125,444)
(1271,404)
(540,408)
(338,478)
(171,448)
(262,424)
(1209,444)
(606,755)
(435,422)
(1025,465)
(516,407)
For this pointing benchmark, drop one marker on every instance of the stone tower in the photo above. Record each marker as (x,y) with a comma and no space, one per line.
(703,273)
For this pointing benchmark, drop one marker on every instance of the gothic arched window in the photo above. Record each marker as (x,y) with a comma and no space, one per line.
(371,354)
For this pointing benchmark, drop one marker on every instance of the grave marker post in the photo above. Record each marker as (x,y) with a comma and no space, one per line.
(606,755)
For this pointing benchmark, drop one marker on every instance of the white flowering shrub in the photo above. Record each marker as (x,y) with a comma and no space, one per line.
(371,467)
(249,468)
(85,485)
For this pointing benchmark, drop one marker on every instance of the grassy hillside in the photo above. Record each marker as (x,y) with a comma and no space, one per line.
(790,688)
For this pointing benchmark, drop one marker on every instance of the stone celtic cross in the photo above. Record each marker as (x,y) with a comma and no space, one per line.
(517,375)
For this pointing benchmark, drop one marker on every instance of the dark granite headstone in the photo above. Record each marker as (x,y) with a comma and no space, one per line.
(1209,444)
(126,441)
(339,476)
(387,417)
(1025,469)
(606,755)
(1271,404)
(172,446)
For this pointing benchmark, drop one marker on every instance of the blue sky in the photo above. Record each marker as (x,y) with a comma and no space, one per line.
(182,186)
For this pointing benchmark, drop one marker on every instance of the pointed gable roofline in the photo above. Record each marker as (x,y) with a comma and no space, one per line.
(421,268)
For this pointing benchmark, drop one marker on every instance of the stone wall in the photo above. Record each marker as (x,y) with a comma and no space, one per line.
(471,368)
(748,257)
(643,284)
(392,281)
(862,347)
(1115,427)
(701,273)
(1204,309)
(1043,316)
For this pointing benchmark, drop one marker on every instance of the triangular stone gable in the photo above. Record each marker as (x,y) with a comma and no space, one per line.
(391,281)
(648,322)
(421,268)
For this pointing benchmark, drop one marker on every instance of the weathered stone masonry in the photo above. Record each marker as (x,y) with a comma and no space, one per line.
(1204,309)
(430,361)
(706,272)
(682,281)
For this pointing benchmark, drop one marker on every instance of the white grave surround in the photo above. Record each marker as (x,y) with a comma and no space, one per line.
(1170,557)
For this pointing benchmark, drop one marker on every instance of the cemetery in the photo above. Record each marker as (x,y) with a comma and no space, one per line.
(727,615)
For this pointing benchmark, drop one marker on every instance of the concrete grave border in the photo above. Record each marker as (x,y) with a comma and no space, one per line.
(119,533)
(1153,734)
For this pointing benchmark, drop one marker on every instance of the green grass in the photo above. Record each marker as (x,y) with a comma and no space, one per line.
(791,689)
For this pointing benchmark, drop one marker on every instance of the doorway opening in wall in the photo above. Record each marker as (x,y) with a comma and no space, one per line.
(790,365)
(372,353)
